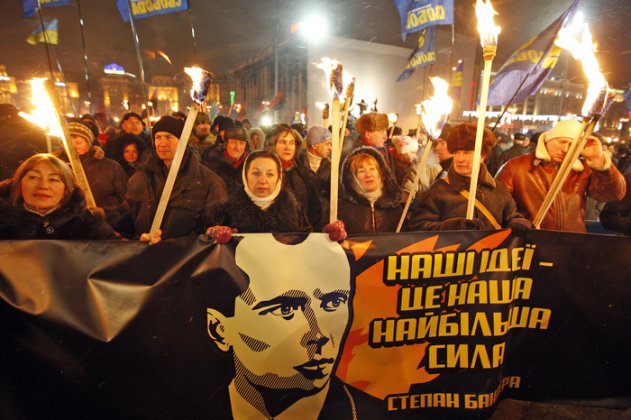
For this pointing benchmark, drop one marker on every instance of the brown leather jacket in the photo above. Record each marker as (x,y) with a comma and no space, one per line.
(528,178)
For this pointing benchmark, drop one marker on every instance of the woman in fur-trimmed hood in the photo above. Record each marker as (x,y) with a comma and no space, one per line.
(370,198)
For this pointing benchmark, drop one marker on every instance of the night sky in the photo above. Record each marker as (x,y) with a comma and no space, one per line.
(229,32)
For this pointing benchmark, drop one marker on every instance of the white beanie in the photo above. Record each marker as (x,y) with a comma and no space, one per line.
(566,128)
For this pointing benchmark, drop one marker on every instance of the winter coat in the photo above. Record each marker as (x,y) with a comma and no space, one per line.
(529,177)
(196,192)
(108,181)
(616,216)
(304,185)
(284,215)
(444,201)
(358,215)
(70,221)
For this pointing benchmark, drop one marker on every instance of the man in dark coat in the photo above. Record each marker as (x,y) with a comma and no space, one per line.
(444,205)
(196,192)
(521,146)
(316,158)
(227,160)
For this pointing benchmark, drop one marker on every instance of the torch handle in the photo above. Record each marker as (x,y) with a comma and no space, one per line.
(475,170)
(173,170)
(419,167)
(335,160)
(347,105)
(73,157)
(564,170)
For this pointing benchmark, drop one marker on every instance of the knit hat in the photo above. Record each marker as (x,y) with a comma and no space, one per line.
(170,125)
(462,137)
(372,121)
(226,123)
(405,144)
(566,128)
(317,134)
(236,133)
(81,130)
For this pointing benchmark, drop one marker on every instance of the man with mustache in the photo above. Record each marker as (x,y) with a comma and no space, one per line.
(285,327)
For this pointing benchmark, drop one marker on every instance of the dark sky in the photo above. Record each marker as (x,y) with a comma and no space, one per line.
(231,31)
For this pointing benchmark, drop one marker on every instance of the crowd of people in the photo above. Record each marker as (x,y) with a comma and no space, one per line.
(238,178)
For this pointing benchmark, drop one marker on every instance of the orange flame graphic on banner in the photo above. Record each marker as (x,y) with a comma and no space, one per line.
(389,370)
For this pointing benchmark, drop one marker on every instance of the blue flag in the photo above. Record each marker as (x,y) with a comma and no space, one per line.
(526,70)
(423,54)
(29,7)
(417,15)
(49,35)
(143,9)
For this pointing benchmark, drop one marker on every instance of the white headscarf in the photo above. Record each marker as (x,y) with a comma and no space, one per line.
(371,196)
(262,202)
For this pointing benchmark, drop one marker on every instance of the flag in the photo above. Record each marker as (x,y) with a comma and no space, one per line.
(29,7)
(627,98)
(417,15)
(423,54)
(531,64)
(456,81)
(143,9)
(49,35)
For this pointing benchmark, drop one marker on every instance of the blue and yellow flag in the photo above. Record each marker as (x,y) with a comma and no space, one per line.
(417,15)
(423,54)
(29,7)
(526,70)
(456,81)
(49,35)
(141,9)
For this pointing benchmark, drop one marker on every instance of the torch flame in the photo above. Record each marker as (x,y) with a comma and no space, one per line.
(393,117)
(200,80)
(487,28)
(320,105)
(577,39)
(44,114)
(436,109)
(340,79)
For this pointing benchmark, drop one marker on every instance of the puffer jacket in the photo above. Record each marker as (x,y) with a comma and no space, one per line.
(444,201)
(70,221)
(196,193)
(285,215)
(529,177)
(358,215)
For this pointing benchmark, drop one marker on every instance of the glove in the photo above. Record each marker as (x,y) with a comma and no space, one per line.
(336,231)
(221,234)
(460,223)
(520,225)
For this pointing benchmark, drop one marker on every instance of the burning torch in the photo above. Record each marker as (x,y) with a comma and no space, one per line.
(578,41)
(201,83)
(393,118)
(434,113)
(488,36)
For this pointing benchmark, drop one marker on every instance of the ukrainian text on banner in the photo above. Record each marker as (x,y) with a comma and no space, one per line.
(29,7)
(146,8)
(420,324)
(423,54)
(526,70)
(417,15)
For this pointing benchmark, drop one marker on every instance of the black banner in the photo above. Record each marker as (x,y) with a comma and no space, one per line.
(416,324)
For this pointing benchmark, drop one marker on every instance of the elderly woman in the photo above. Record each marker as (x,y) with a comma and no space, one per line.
(370,198)
(263,204)
(42,201)
(285,142)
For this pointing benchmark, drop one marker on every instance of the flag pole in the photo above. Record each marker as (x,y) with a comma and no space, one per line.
(141,66)
(85,56)
(190,21)
(41,22)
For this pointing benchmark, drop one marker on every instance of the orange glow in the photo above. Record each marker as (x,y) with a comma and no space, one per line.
(487,28)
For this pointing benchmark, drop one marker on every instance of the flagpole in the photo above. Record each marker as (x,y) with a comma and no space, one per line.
(141,67)
(190,21)
(41,22)
(85,56)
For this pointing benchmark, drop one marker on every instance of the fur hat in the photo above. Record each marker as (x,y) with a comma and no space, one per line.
(462,137)
(371,121)
(81,130)
(170,125)
(565,128)
(317,134)
(236,133)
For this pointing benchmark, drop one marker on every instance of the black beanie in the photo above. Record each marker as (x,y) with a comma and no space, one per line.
(170,125)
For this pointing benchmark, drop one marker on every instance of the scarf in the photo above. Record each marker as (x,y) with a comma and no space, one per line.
(234,162)
(314,161)
(372,196)
(288,165)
